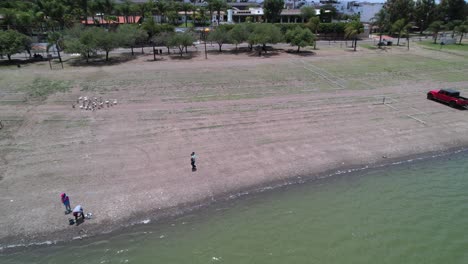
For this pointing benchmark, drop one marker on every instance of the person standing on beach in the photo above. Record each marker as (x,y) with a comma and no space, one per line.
(192,161)
(66,202)
(77,212)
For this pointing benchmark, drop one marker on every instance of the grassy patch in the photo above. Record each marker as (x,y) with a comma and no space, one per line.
(450,76)
(391,69)
(431,45)
(271,77)
(265,141)
(225,97)
(368,46)
(356,84)
(279,77)
(109,84)
(77,123)
(207,127)
(189,25)
(41,88)
(12,102)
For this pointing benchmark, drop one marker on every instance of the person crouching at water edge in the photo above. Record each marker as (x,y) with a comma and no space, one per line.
(77,212)
(66,202)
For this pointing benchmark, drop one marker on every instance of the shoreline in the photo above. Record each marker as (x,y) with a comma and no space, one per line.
(163,215)
(255,125)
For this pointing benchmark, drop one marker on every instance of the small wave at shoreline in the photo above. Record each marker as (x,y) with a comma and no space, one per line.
(295,180)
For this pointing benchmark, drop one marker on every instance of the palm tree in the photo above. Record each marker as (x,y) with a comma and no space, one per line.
(84,9)
(9,17)
(55,38)
(451,25)
(314,26)
(142,9)
(126,9)
(53,12)
(211,9)
(150,6)
(186,7)
(406,32)
(352,31)
(161,8)
(174,8)
(216,5)
(435,27)
(399,26)
(220,5)
(307,12)
(134,9)
(93,8)
(99,7)
(381,20)
(201,16)
(462,29)
(108,8)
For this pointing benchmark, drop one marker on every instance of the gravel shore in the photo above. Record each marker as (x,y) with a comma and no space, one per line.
(131,162)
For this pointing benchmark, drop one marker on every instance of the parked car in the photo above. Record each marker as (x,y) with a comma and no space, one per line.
(448,96)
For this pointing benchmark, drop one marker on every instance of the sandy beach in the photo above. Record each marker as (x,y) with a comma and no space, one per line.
(251,121)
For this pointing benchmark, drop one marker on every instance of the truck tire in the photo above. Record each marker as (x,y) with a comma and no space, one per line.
(453,104)
(430,97)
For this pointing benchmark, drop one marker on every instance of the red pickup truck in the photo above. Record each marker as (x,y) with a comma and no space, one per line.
(448,96)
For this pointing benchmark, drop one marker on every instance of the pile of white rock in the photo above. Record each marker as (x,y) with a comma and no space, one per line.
(93,103)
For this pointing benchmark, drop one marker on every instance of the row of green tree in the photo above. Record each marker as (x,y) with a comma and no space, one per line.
(398,16)
(423,12)
(47,15)
(12,42)
(25,16)
(456,26)
(402,26)
(88,41)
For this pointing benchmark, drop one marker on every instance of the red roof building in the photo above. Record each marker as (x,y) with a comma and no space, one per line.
(98,20)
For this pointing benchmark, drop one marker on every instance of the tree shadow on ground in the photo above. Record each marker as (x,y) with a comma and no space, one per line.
(80,221)
(185,56)
(302,53)
(158,59)
(101,61)
(352,50)
(447,104)
(239,51)
(271,53)
(21,62)
(254,52)
(136,53)
(267,52)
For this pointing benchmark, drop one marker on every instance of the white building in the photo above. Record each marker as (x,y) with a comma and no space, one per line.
(366,10)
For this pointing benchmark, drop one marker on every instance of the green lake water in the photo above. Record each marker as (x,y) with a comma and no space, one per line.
(414,212)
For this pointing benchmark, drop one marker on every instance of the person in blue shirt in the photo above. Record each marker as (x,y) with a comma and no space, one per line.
(66,202)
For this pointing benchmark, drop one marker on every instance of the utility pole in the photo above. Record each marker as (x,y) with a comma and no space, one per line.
(205,35)
(206,55)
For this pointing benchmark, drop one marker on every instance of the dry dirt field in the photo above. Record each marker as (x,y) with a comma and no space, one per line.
(253,121)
